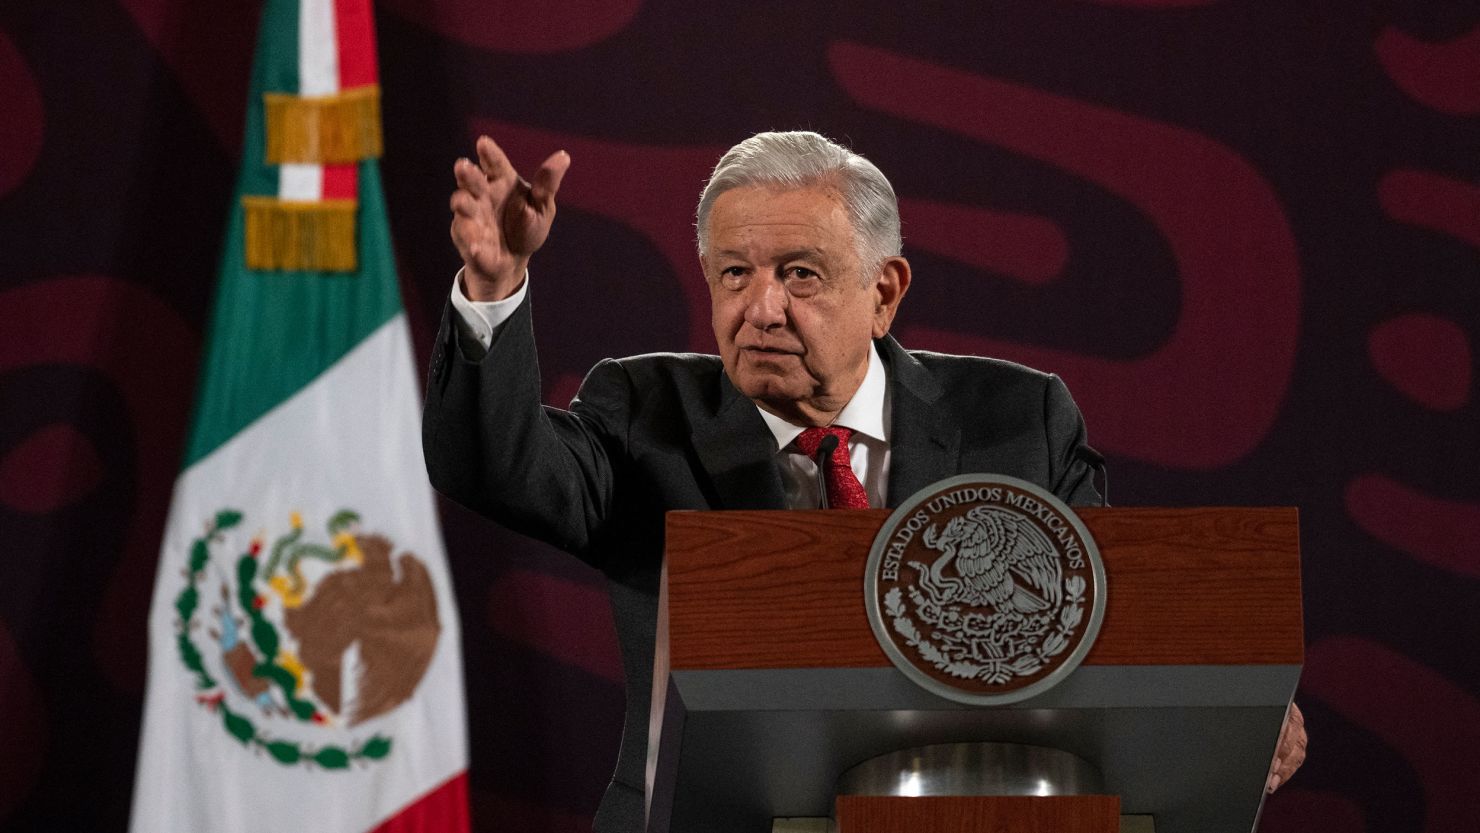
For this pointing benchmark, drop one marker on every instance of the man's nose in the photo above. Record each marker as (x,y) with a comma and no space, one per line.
(765,306)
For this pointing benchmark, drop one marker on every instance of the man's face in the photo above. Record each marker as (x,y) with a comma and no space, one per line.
(792,311)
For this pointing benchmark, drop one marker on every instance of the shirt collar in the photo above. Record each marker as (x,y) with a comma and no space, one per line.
(864,413)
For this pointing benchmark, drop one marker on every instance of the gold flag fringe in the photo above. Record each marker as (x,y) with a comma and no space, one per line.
(328,130)
(306,236)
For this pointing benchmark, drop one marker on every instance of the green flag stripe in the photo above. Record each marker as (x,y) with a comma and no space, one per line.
(274,70)
(272,333)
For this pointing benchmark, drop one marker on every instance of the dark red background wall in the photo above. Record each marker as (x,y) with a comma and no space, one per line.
(1246,233)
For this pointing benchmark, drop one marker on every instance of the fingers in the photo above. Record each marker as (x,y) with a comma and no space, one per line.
(1294,753)
(463,204)
(547,179)
(470,178)
(469,209)
(494,163)
(494,176)
(464,237)
(499,219)
(1290,752)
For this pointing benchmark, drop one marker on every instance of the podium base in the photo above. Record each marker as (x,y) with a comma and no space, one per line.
(825,824)
(979,814)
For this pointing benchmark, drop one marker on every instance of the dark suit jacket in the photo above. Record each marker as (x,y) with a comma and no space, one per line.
(666,431)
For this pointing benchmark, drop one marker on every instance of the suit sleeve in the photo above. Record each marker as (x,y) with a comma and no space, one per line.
(1072,477)
(491,445)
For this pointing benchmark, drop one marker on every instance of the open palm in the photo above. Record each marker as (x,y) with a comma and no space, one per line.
(499,219)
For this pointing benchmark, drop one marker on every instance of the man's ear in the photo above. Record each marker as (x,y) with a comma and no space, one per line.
(889,289)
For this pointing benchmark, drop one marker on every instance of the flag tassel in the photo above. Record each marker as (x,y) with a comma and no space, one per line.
(329,129)
(293,235)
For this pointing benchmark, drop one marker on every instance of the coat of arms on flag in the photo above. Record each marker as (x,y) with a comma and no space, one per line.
(293,636)
(304,668)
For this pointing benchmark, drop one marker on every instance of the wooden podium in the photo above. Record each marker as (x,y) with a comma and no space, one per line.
(768,683)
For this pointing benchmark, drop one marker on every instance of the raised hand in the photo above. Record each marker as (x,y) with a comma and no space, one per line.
(499,219)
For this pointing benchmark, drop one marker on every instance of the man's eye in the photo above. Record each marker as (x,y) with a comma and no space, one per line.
(732,277)
(801,282)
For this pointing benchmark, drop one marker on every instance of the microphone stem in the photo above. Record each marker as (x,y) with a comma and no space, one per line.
(825,450)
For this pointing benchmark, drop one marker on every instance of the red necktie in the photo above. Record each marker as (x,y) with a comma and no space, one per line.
(843,489)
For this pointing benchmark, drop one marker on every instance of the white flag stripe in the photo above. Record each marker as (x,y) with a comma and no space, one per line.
(318,74)
(301,182)
(318,48)
(350,439)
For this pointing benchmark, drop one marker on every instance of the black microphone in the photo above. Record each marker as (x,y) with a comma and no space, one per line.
(1096,460)
(825,450)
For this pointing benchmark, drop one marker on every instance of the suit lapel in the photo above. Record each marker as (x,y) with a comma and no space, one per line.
(925,443)
(738,453)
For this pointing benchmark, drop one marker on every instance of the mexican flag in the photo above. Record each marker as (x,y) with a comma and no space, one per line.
(304,669)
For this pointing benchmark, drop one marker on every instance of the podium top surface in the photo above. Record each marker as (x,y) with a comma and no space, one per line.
(782,589)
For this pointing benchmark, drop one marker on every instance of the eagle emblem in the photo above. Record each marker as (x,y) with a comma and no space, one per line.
(295,642)
(985,589)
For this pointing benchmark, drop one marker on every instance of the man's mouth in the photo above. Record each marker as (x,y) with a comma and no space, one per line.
(767,355)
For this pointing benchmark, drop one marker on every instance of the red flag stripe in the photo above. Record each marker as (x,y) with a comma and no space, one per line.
(443,810)
(341,182)
(355,31)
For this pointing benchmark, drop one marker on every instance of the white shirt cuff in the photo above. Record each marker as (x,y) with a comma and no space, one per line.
(478,321)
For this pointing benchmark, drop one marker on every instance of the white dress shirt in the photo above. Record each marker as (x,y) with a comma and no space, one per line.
(867,413)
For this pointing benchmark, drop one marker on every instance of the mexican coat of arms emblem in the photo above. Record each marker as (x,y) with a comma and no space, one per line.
(985,589)
(297,644)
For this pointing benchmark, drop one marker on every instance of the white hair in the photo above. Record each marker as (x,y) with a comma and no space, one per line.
(800,159)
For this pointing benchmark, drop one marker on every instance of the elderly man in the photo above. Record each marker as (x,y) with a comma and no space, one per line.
(799,240)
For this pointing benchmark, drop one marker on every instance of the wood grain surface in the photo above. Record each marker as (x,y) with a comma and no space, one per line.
(979,814)
(784,589)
